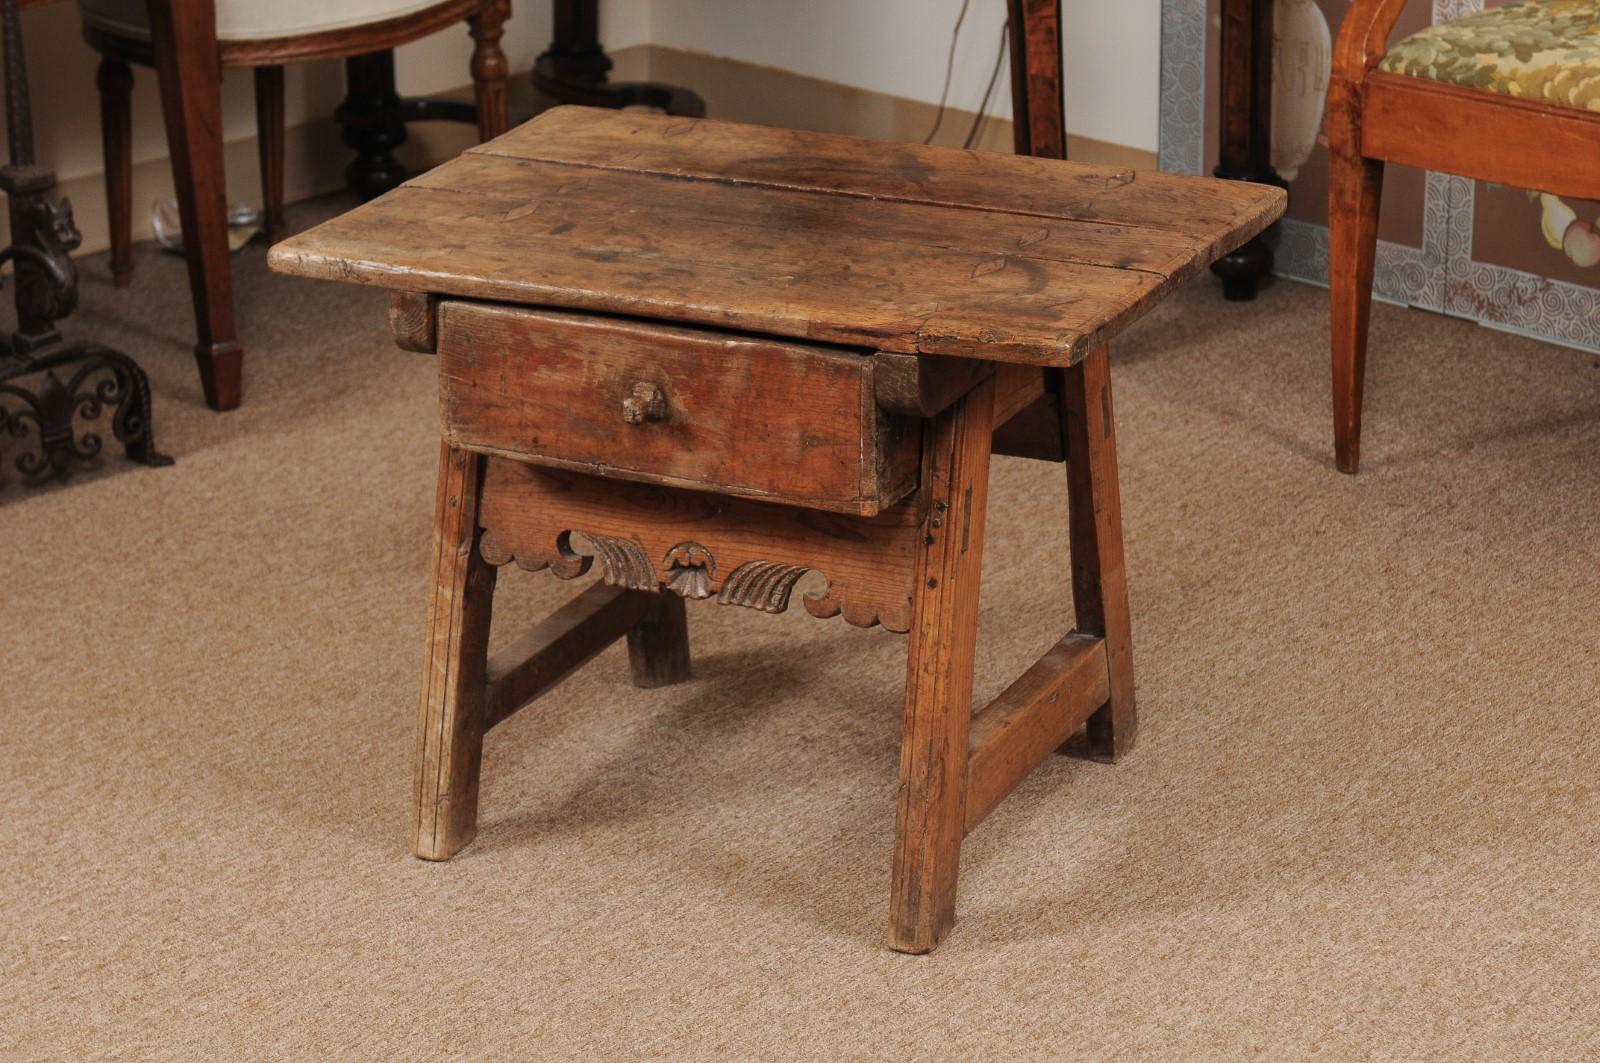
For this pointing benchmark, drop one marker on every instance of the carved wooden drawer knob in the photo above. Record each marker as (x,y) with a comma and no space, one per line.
(644,403)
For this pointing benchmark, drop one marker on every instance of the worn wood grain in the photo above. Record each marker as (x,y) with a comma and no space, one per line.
(983,181)
(921,387)
(867,562)
(707,444)
(733,414)
(450,720)
(413,320)
(896,274)
(930,818)
(1033,716)
(1099,571)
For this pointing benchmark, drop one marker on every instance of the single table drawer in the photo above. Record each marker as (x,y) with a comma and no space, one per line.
(695,408)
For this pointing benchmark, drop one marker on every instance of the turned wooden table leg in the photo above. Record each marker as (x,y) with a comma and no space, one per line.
(489,67)
(930,819)
(1099,579)
(450,721)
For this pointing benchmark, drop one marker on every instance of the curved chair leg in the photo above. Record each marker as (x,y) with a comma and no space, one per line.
(489,67)
(269,141)
(115,81)
(1354,186)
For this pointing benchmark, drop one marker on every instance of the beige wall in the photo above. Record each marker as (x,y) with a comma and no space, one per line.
(888,48)
(899,47)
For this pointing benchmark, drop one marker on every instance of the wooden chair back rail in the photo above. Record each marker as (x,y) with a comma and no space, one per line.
(1364,37)
(1521,143)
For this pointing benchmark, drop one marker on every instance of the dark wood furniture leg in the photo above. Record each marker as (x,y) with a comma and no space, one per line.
(1246,71)
(930,820)
(575,67)
(373,124)
(184,39)
(374,115)
(489,68)
(269,142)
(1040,125)
(1099,578)
(115,82)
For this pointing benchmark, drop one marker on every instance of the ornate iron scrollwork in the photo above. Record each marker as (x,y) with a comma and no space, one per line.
(60,414)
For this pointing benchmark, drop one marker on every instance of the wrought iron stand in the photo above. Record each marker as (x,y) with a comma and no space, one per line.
(61,412)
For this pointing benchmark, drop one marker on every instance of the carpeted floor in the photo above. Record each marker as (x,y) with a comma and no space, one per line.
(1362,821)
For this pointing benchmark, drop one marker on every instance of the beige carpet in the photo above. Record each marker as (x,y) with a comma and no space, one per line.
(1362,820)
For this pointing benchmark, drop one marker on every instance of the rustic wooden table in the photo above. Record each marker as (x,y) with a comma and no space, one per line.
(716,360)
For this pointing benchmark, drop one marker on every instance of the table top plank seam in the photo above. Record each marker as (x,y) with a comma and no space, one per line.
(1023,252)
(1241,218)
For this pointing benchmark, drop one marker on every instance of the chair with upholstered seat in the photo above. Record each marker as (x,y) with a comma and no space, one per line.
(1508,95)
(266,36)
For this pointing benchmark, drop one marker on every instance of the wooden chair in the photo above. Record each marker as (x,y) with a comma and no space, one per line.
(1447,99)
(265,37)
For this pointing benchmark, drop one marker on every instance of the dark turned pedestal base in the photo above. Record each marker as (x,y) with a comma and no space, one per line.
(1246,138)
(374,117)
(1243,271)
(575,67)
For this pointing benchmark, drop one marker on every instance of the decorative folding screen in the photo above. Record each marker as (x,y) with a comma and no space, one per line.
(1504,257)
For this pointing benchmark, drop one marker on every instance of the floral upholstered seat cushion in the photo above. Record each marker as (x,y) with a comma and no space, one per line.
(1538,49)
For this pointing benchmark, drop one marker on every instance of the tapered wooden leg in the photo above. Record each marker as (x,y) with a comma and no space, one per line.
(1099,580)
(183,36)
(489,67)
(658,645)
(450,721)
(115,81)
(269,142)
(930,816)
(1354,188)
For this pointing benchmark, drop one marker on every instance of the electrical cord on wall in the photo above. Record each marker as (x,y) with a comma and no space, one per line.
(988,93)
(949,71)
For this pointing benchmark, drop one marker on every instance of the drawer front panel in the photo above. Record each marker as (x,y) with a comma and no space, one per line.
(635,400)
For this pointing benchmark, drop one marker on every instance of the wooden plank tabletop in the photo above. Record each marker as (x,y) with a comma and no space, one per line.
(891,246)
